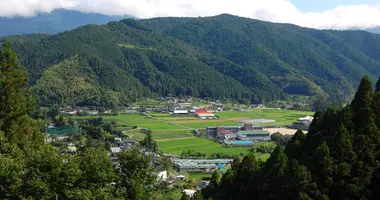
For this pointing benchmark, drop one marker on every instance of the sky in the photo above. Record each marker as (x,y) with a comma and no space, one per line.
(320,14)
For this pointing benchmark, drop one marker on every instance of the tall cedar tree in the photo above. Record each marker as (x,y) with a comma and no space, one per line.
(365,138)
(15,101)
(375,182)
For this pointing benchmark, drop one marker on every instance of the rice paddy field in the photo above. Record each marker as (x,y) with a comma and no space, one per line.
(138,120)
(282,118)
(175,134)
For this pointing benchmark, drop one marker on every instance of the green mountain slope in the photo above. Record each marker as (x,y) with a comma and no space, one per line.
(217,57)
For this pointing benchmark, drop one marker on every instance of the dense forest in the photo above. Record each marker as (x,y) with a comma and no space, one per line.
(221,57)
(339,158)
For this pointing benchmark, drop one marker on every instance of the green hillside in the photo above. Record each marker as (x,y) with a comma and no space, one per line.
(217,57)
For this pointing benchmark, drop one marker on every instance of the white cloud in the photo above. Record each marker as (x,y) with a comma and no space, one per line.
(343,17)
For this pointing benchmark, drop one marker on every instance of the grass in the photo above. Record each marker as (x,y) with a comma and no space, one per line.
(199,176)
(175,134)
(282,118)
(138,120)
(176,146)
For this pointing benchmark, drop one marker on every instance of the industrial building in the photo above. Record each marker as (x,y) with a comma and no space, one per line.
(213,130)
(253,135)
(190,165)
(226,135)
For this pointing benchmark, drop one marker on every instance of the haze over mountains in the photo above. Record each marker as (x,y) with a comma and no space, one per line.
(57,21)
(374,30)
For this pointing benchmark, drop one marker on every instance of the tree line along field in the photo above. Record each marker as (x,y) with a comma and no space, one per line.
(174,134)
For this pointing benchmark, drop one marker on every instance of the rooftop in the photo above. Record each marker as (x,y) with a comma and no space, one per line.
(223,127)
(115,149)
(190,163)
(253,132)
(225,132)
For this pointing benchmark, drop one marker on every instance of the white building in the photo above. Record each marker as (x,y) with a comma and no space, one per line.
(180,111)
(189,193)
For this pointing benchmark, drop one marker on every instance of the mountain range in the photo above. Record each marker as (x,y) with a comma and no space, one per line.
(57,21)
(374,30)
(221,57)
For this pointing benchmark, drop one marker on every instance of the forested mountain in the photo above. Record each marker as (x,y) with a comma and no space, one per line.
(218,57)
(57,21)
(337,159)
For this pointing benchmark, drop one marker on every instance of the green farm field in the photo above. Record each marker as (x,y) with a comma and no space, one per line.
(175,134)
(176,146)
(282,118)
(138,120)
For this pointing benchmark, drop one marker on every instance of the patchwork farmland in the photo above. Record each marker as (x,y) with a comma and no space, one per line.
(175,134)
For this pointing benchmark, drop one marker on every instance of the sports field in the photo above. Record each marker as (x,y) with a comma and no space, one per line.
(176,146)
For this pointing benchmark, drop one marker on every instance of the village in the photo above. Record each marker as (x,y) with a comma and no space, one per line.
(210,128)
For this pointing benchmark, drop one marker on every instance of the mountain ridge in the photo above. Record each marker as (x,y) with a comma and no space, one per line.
(217,57)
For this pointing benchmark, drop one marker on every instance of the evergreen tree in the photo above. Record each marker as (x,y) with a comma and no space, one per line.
(362,103)
(299,184)
(184,196)
(136,175)
(215,179)
(15,102)
(273,174)
(345,157)
(295,147)
(345,117)
(198,196)
(245,177)
(321,167)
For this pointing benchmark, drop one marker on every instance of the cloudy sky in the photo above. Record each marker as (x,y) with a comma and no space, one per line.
(321,14)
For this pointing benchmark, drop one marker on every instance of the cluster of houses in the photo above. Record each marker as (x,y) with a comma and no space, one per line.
(238,135)
(200,112)
(119,145)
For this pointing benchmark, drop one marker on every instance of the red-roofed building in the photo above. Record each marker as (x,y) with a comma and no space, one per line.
(226,135)
(204,114)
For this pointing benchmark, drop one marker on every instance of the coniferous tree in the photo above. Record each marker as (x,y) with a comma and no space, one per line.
(198,196)
(295,147)
(345,157)
(274,174)
(245,177)
(376,104)
(365,139)
(184,196)
(321,167)
(299,184)
(362,103)
(215,179)
(15,102)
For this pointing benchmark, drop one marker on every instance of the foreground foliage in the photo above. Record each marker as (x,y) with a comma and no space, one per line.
(30,169)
